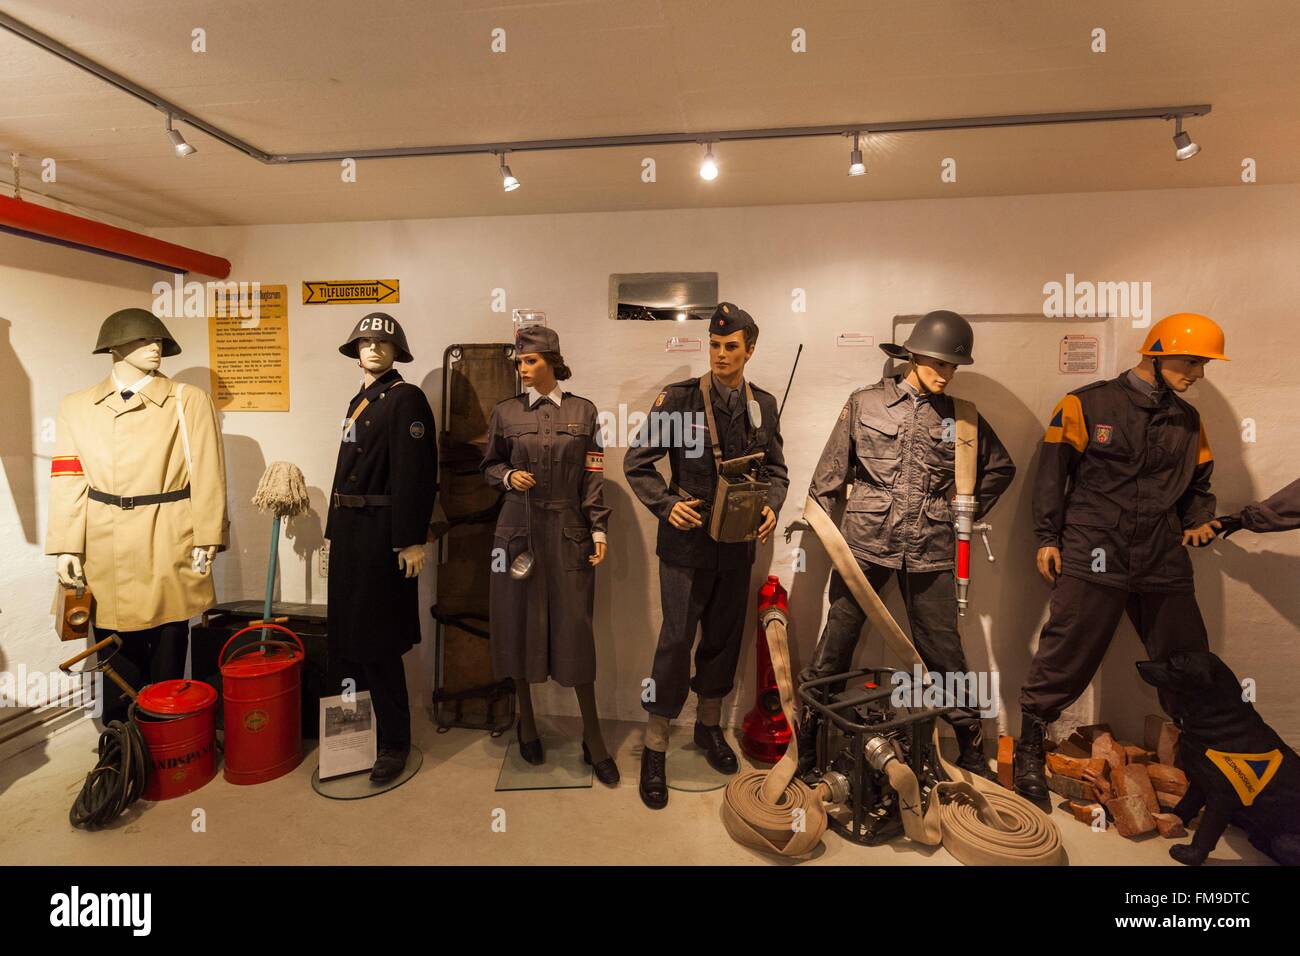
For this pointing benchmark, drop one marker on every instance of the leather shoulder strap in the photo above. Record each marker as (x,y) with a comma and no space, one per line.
(706,388)
(967,446)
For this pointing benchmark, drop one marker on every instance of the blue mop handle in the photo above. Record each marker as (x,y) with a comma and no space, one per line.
(270,575)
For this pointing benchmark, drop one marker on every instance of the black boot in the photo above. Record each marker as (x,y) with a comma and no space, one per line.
(389,764)
(970,750)
(654,778)
(1029,758)
(716,749)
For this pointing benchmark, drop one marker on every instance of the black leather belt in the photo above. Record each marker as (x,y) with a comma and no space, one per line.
(361,501)
(127,502)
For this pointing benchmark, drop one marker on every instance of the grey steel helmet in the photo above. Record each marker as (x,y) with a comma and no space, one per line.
(381,326)
(128,325)
(942,335)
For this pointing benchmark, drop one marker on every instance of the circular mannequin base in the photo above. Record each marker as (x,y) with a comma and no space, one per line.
(563,768)
(357,786)
(688,767)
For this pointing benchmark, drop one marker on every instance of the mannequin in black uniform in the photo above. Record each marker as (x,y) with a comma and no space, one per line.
(380,504)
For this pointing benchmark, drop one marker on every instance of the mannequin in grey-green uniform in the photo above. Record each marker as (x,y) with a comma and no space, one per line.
(894,444)
(544,449)
(703,583)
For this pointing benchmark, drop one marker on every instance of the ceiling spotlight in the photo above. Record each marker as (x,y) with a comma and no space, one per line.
(856,166)
(681,316)
(508,181)
(182,148)
(1184,148)
(708,168)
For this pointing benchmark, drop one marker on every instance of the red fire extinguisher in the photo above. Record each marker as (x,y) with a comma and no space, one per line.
(766,732)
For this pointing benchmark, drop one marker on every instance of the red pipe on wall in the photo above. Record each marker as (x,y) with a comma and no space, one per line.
(42,222)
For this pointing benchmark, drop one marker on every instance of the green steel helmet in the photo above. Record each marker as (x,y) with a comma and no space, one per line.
(381,326)
(127,325)
(942,335)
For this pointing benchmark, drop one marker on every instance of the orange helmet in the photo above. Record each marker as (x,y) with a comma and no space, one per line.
(1185,333)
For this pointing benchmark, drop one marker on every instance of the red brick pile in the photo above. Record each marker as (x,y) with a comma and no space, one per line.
(1136,787)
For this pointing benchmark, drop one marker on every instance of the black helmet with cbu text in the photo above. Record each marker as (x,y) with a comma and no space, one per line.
(381,326)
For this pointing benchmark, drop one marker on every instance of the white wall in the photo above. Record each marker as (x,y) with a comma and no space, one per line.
(1227,252)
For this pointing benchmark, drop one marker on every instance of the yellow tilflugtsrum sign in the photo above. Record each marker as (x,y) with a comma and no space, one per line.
(248,349)
(344,291)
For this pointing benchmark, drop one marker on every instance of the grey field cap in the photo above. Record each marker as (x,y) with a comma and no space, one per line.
(536,338)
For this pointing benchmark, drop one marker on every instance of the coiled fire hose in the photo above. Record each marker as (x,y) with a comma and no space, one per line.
(771,809)
(118,778)
(123,769)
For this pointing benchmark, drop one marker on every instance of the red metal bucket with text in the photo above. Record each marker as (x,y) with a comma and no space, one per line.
(177,719)
(261,686)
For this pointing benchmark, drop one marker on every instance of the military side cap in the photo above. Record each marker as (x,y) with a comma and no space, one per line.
(728,319)
(536,338)
(384,328)
(128,325)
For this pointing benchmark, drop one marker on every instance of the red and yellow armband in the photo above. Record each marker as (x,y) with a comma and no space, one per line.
(595,461)
(66,466)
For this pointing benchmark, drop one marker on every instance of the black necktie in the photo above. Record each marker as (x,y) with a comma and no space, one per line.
(126,394)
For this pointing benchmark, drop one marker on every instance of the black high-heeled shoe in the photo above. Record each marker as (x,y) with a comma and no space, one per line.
(606,771)
(531,750)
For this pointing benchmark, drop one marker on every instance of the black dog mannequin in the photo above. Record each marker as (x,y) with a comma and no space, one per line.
(1231,757)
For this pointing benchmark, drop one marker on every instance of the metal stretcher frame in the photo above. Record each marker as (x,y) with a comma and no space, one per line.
(449,706)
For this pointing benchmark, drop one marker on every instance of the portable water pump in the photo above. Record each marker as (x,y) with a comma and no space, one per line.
(860,731)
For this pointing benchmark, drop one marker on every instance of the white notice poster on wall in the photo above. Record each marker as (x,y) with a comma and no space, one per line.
(854,340)
(1080,355)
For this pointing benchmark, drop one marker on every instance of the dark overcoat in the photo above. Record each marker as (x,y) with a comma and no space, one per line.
(390,450)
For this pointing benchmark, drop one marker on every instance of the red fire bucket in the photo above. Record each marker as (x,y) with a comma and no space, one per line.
(263,707)
(177,719)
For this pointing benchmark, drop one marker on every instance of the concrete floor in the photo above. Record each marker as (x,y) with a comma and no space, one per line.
(442,816)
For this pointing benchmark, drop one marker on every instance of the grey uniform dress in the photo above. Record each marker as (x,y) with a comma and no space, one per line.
(541,626)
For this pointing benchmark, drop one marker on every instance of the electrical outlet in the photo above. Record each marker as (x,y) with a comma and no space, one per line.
(325,560)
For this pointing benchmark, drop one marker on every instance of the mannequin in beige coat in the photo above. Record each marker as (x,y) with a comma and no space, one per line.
(119,449)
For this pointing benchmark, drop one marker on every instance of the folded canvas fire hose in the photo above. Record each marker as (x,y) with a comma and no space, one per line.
(975,819)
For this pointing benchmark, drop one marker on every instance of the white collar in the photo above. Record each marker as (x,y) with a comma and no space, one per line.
(132,388)
(556,396)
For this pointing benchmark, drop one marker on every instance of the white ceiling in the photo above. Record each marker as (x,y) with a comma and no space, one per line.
(309,75)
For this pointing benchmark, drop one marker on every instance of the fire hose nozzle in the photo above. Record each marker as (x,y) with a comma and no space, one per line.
(833,788)
(878,752)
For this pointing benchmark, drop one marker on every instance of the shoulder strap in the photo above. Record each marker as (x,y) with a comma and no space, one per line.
(706,387)
(967,446)
(185,432)
(352,419)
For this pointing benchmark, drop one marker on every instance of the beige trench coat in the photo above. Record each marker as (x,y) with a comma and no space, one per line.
(138,561)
